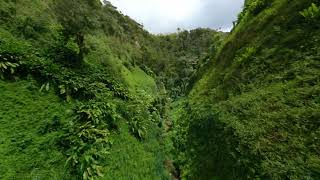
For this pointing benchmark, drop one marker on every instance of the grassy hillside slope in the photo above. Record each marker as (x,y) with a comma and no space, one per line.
(255,113)
(30,123)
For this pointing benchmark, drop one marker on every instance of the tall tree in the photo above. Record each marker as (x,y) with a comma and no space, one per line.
(77,17)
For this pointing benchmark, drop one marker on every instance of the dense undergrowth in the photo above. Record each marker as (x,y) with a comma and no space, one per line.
(87,96)
(254,114)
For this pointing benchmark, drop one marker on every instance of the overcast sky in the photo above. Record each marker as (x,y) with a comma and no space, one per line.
(164,16)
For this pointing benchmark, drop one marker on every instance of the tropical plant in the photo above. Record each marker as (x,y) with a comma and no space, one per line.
(137,127)
(6,66)
(313,12)
(45,86)
(97,112)
(87,147)
(87,137)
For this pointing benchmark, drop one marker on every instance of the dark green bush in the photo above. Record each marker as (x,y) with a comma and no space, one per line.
(30,28)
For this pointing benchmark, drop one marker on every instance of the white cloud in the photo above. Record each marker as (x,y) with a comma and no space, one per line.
(163,16)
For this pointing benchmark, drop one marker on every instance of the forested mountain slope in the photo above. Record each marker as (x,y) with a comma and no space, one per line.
(188,53)
(74,102)
(85,94)
(83,90)
(255,113)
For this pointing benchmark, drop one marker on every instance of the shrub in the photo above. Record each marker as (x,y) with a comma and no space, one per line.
(97,112)
(87,147)
(64,52)
(137,116)
(87,139)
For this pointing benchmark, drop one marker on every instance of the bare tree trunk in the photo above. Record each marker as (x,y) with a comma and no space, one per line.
(80,42)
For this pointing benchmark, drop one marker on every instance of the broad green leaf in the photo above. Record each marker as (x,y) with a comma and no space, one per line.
(47,86)
(42,87)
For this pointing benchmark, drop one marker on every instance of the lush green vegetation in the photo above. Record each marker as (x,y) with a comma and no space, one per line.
(189,52)
(95,96)
(31,123)
(254,114)
(75,103)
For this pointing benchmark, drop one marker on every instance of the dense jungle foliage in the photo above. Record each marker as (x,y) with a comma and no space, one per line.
(87,93)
